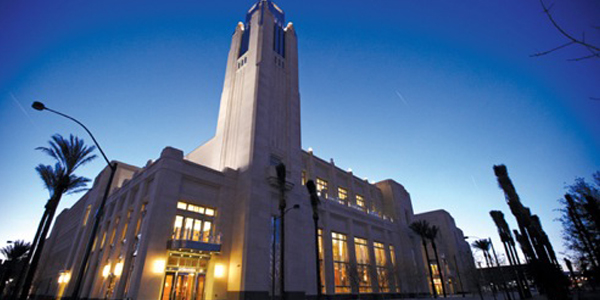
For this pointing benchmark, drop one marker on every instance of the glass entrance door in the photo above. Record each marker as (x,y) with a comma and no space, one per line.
(200,287)
(183,286)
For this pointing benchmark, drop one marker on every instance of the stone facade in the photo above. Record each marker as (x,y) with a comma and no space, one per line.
(203,225)
(456,258)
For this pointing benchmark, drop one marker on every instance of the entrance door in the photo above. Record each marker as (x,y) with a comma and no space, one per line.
(167,287)
(200,288)
(183,286)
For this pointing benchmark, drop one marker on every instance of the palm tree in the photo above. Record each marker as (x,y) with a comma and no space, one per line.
(534,241)
(484,246)
(59,179)
(421,228)
(15,255)
(431,235)
(508,242)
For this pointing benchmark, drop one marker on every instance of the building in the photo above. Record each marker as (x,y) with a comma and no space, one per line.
(456,258)
(204,225)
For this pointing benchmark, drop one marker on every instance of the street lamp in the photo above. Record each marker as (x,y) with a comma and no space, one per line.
(315,201)
(296,206)
(113,168)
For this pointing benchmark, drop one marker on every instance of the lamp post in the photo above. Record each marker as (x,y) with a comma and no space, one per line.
(281,174)
(315,201)
(113,168)
(296,206)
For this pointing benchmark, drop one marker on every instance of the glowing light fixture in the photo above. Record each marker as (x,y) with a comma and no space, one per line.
(61,278)
(159,266)
(106,271)
(119,269)
(219,271)
(66,277)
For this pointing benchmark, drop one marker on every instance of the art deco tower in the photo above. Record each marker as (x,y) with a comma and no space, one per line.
(259,127)
(259,117)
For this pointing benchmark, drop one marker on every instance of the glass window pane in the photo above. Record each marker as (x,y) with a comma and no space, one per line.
(360,201)
(379,254)
(342,193)
(187,234)
(206,231)
(322,187)
(197,226)
(210,212)
(181,205)
(177,227)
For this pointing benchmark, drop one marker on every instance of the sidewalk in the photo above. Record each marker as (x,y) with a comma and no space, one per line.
(586,295)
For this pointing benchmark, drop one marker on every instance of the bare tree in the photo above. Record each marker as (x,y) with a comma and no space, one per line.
(593,49)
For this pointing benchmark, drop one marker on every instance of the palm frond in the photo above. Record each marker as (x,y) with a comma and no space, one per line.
(69,154)
(420,227)
(483,245)
(16,251)
(432,232)
(76,184)
(48,176)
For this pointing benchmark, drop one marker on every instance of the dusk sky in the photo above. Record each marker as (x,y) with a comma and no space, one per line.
(431,94)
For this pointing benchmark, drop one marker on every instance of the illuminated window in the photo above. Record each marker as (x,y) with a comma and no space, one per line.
(379,254)
(126,226)
(380,262)
(321,255)
(95,242)
(187,230)
(340,263)
(393,266)
(196,208)
(322,187)
(435,270)
(197,230)
(138,225)
(177,227)
(114,233)
(206,231)
(103,239)
(342,195)
(436,278)
(360,201)
(362,265)
(87,214)
(304,178)
(201,210)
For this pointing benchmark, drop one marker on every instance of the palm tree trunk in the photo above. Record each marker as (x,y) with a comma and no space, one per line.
(511,261)
(52,205)
(522,275)
(429,267)
(488,260)
(437,260)
(7,266)
(36,239)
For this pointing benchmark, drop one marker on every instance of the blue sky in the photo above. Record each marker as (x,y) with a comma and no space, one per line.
(429,93)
